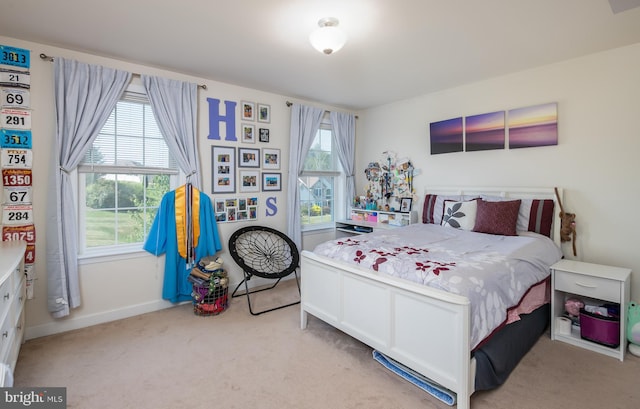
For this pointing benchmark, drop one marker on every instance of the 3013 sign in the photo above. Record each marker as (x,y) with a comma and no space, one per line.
(17,57)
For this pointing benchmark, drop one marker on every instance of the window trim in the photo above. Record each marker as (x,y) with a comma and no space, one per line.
(134,93)
(339,183)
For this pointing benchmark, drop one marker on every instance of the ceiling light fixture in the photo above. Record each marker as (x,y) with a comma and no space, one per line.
(328,38)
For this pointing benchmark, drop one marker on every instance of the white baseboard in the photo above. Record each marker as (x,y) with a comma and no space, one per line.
(69,324)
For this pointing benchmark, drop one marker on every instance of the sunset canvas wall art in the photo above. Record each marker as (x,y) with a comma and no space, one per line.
(484,132)
(446,136)
(533,126)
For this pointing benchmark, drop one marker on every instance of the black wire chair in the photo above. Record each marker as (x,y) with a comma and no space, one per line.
(263,252)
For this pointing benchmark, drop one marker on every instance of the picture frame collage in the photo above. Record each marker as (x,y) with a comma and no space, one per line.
(240,170)
(236,209)
(251,165)
(254,112)
(256,172)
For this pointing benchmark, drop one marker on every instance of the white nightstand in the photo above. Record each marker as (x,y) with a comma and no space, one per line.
(589,282)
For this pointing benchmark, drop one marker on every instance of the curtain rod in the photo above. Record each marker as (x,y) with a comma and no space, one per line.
(50,59)
(289,103)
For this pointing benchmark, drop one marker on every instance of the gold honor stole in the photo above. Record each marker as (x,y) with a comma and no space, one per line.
(181,219)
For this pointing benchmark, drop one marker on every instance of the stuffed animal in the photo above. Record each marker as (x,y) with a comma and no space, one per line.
(567,225)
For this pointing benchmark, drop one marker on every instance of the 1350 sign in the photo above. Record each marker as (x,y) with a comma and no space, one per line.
(16,177)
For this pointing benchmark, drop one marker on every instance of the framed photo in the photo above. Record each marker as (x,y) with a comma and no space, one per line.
(248,133)
(248,158)
(271,182)
(270,158)
(223,169)
(249,181)
(405,204)
(264,135)
(247,111)
(264,113)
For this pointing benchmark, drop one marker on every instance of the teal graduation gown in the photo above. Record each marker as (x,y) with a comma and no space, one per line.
(163,239)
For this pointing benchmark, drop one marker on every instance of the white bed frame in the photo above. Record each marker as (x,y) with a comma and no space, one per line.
(425,329)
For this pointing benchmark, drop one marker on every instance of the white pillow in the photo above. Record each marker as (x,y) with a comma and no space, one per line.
(460,215)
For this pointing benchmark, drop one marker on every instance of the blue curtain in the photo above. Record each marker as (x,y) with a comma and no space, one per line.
(85,96)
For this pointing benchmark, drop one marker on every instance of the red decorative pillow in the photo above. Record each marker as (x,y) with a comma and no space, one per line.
(541,217)
(497,217)
(428,208)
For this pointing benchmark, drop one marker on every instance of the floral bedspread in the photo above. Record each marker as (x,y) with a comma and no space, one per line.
(493,272)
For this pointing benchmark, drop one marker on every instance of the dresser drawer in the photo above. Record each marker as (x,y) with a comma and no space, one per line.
(7,328)
(16,342)
(18,275)
(594,287)
(6,296)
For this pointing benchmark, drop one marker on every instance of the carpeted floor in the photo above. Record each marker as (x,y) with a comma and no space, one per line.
(174,359)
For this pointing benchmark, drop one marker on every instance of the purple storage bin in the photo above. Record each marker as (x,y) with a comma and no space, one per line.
(597,328)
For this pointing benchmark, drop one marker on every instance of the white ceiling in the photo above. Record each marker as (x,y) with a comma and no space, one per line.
(396,49)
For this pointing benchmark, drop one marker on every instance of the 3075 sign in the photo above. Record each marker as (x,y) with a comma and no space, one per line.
(14,233)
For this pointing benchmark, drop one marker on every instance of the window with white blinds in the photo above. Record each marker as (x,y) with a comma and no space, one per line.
(122,179)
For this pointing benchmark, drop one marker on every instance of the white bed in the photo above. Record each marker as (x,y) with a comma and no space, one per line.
(396,316)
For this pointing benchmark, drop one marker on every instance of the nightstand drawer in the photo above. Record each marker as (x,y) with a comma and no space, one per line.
(594,287)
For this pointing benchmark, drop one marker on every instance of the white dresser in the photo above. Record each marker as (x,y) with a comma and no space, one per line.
(12,298)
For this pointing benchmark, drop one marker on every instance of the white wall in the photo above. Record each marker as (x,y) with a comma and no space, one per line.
(113,289)
(595,161)
(598,136)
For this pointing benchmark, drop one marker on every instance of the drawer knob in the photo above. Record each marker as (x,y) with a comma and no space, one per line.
(7,295)
(5,334)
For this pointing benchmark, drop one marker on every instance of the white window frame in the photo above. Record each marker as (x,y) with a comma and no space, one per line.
(134,92)
(339,185)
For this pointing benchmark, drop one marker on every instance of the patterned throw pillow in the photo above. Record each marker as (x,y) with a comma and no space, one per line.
(460,215)
(497,217)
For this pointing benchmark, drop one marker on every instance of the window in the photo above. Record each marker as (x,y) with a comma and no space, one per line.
(122,179)
(321,183)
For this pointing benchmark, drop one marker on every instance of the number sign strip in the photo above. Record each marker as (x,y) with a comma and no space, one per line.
(15,118)
(16,158)
(16,195)
(16,177)
(24,232)
(13,138)
(13,78)
(18,57)
(17,215)
(15,98)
